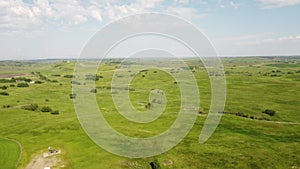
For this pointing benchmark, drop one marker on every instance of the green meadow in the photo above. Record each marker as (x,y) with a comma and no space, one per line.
(9,153)
(247,136)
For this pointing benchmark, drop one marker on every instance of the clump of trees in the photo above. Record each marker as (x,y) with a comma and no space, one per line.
(269,112)
(55,112)
(6,106)
(46,109)
(4,87)
(35,107)
(38,82)
(240,114)
(148,106)
(7,80)
(21,79)
(23,85)
(4,94)
(68,76)
(42,77)
(93,77)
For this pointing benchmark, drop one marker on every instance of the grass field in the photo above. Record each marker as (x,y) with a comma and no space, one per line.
(9,153)
(256,140)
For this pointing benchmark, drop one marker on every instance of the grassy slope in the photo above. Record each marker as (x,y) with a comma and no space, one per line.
(9,153)
(237,143)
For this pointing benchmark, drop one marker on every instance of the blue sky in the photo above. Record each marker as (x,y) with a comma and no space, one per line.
(34,29)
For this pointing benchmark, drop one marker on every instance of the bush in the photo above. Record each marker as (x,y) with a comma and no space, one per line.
(68,76)
(6,106)
(72,96)
(93,91)
(155,165)
(74,82)
(38,82)
(7,80)
(46,109)
(31,107)
(93,77)
(4,87)
(55,112)
(22,85)
(12,85)
(269,112)
(4,94)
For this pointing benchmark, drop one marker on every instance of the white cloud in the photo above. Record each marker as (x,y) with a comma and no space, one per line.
(268,4)
(234,5)
(18,16)
(186,12)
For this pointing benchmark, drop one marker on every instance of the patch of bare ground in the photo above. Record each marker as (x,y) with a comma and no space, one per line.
(47,160)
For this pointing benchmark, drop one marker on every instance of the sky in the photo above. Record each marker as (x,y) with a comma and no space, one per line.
(39,29)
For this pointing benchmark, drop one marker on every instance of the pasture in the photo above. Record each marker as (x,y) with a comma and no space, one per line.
(245,137)
(9,153)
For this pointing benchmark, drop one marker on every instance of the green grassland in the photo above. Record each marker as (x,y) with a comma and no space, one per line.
(9,153)
(254,84)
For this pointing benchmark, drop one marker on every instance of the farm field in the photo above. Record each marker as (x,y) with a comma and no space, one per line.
(42,114)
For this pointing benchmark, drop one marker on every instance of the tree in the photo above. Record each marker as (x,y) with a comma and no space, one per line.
(4,94)
(46,109)
(55,112)
(269,112)
(22,85)
(93,91)
(4,87)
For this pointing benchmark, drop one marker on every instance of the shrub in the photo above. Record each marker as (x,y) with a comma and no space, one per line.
(93,77)
(68,76)
(155,165)
(72,96)
(55,112)
(269,112)
(7,80)
(38,82)
(4,94)
(4,87)
(46,109)
(148,106)
(93,91)
(31,107)
(22,85)
(6,106)
(74,82)
(12,85)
